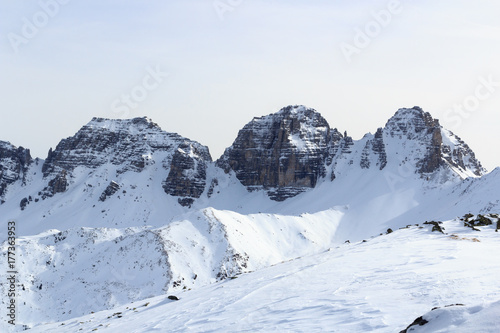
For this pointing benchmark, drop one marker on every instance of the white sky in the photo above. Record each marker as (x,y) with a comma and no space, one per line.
(263,55)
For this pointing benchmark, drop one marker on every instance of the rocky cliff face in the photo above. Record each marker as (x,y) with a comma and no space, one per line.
(130,145)
(290,151)
(376,147)
(187,176)
(429,146)
(458,154)
(283,153)
(124,143)
(14,163)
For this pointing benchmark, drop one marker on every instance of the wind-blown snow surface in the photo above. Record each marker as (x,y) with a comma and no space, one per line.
(380,285)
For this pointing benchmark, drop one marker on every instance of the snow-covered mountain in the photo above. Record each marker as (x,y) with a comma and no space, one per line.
(130,145)
(123,211)
(283,153)
(291,150)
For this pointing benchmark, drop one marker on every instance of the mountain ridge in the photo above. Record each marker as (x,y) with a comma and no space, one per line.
(127,211)
(284,154)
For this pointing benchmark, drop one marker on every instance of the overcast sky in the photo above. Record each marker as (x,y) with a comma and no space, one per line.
(204,68)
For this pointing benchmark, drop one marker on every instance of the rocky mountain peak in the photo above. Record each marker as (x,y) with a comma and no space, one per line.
(411,123)
(287,152)
(429,146)
(130,145)
(123,125)
(284,152)
(14,163)
(301,113)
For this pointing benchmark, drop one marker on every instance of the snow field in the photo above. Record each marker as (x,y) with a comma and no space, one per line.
(380,285)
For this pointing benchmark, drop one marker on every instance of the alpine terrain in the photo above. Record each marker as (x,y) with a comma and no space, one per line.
(124,227)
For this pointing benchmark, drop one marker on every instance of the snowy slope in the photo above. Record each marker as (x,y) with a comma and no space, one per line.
(63,274)
(69,272)
(380,285)
(459,318)
(144,213)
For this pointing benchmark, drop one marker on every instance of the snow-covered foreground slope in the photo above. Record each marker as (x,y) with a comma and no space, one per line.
(70,273)
(459,318)
(380,285)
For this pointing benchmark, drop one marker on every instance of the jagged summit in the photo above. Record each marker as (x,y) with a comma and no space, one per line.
(301,112)
(289,151)
(294,118)
(125,142)
(410,122)
(284,152)
(117,125)
(130,145)
(429,146)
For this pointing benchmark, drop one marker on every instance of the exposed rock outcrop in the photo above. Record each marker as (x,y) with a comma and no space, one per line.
(459,155)
(124,143)
(187,176)
(14,163)
(59,184)
(111,189)
(284,153)
(288,152)
(130,145)
(376,147)
(433,146)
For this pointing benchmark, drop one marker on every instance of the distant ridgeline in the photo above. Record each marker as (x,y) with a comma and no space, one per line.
(283,154)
